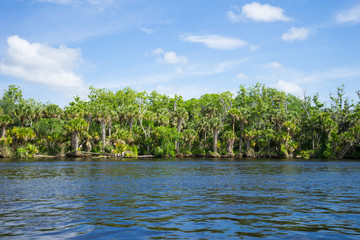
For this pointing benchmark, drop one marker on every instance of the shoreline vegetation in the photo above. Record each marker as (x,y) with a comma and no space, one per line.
(257,122)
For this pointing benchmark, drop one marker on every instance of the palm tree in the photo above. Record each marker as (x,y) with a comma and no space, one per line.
(235,115)
(189,135)
(120,113)
(74,111)
(4,121)
(75,127)
(203,126)
(243,119)
(163,116)
(22,111)
(52,111)
(215,125)
(180,115)
(249,135)
(131,112)
(229,136)
(103,114)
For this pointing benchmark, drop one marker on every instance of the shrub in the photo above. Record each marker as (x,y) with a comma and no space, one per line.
(28,151)
(6,152)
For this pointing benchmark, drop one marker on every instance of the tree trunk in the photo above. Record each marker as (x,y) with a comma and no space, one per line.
(344,151)
(240,137)
(216,133)
(313,144)
(109,126)
(103,134)
(179,125)
(177,147)
(177,143)
(233,127)
(240,144)
(205,139)
(3,131)
(248,143)
(121,123)
(75,141)
(230,146)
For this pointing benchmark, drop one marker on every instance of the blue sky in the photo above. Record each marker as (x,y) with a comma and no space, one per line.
(55,49)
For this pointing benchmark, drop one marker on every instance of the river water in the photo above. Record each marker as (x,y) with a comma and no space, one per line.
(179,199)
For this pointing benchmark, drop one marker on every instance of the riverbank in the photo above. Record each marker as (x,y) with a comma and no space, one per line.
(81,154)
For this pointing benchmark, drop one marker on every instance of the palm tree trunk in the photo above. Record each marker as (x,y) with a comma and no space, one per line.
(177,143)
(230,146)
(233,127)
(240,137)
(75,141)
(205,140)
(3,131)
(177,147)
(248,143)
(240,144)
(216,132)
(103,134)
(109,126)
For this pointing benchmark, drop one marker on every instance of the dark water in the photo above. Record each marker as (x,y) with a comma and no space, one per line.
(180,199)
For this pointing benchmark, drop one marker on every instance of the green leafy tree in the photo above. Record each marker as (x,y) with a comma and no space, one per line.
(216,126)
(5,120)
(76,126)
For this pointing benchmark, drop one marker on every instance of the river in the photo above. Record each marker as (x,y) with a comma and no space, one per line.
(179,199)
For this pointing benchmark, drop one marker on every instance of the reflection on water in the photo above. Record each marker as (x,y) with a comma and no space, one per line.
(180,199)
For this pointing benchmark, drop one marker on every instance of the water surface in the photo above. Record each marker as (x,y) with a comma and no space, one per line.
(179,199)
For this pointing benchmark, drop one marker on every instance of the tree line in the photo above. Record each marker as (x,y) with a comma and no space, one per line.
(258,121)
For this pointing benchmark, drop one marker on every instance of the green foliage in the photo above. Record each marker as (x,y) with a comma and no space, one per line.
(305,154)
(11,97)
(22,134)
(258,121)
(28,151)
(6,151)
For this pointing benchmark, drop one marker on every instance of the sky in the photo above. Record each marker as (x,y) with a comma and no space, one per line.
(57,49)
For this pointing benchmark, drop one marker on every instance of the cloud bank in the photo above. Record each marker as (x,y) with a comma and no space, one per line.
(37,63)
(257,12)
(169,57)
(296,34)
(290,87)
(351,15)
(216,41)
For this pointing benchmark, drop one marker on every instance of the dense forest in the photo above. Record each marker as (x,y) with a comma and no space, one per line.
(256,122)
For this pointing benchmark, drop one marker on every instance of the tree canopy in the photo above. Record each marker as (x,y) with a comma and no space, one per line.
(258,121)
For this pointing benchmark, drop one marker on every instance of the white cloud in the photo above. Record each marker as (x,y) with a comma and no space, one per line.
(234,15)
(147,30)
(351,15)
(289,87)
(257,12)
(211,69)
(242,76)
(41,64)
(216,41)
(296,34)
(273,65)
(253,48)
(169,57)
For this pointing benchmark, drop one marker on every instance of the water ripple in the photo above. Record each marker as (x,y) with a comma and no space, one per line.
(181,199)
